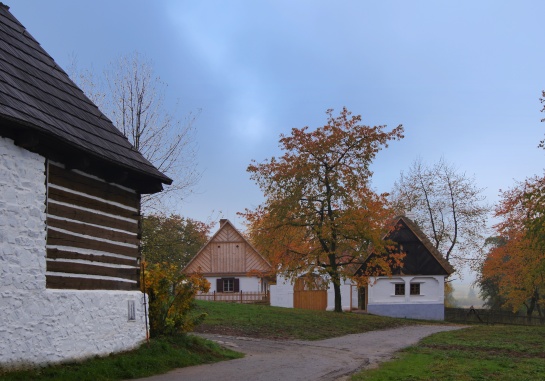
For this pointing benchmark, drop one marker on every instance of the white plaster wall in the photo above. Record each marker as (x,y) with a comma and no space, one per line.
(246,284)
(382,290)
(39,326)
(281,293)
(428,305)
(346,296)
(354,296)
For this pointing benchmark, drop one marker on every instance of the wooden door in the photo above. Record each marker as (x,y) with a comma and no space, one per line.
(308,299)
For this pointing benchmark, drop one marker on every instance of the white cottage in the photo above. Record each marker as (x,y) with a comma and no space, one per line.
(415,290)
(70,186)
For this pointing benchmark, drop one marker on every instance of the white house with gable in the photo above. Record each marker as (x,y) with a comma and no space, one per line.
(230,263)
(415,290)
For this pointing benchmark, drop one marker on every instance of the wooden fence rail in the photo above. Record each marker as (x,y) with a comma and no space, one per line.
(236,297)
(485,316)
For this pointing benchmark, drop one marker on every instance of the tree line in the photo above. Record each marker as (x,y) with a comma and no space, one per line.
(513,275)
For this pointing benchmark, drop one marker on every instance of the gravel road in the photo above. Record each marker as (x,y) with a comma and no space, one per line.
(330,359)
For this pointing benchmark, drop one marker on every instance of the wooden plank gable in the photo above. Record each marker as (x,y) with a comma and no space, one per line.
(227,252)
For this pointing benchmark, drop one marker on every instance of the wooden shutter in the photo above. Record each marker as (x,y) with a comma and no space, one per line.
(236,287)
(219,285)
(92,233)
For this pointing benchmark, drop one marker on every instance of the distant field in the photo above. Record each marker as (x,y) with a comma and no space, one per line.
(478,353)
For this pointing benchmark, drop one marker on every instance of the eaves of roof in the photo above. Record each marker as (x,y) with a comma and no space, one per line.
(37,96)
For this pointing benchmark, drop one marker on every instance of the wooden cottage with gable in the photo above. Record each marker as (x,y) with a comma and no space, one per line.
(230,263)
(70,188)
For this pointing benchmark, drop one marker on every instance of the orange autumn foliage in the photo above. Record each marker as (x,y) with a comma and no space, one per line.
(518,266)
(321,214)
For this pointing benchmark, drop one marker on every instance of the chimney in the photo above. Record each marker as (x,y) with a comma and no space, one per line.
(410,215)
(223,221)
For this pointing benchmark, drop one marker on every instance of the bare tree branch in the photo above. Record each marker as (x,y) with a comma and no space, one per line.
(448,206)
(133,98)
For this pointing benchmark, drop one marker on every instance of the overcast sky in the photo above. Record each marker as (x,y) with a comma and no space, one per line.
(463,77)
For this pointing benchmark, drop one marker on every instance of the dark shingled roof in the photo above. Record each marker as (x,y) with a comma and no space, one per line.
(36,95)
(423,238)
(422,258)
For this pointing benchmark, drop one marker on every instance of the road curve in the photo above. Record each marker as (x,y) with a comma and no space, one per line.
(330,359)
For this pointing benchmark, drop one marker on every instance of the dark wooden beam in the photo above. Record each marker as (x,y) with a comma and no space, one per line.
(118,177)
(27,140)
(77,162)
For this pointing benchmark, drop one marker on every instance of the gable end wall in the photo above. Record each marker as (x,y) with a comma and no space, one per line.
(40,325)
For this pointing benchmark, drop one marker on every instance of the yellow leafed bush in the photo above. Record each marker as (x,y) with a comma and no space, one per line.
(171,299)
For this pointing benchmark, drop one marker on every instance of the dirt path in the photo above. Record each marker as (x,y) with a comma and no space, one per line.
(331,359)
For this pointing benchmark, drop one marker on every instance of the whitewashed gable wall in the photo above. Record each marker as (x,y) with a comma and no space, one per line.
(40,325)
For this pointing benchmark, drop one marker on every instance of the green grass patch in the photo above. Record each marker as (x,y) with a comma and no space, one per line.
(287,323)
(476,353)
(162,355)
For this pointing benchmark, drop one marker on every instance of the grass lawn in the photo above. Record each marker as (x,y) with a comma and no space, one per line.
(477,353)
(288,323)
(159,357)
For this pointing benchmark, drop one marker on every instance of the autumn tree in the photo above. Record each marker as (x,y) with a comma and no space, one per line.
(450,300)
(320,213)
(448,206)
(172,299)
(515,267)
(489,285)
(518,266)
(133,97)
(172,239)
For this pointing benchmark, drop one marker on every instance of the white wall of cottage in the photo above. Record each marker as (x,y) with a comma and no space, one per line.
(381,298)
(39,325)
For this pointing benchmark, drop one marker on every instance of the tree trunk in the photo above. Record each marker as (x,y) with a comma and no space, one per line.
(336,280)
(530,309)
(338,303)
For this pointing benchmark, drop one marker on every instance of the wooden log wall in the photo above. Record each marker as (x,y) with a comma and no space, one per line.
(93,230)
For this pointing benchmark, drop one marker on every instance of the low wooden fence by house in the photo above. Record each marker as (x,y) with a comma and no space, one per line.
(236,297)
(485,316)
